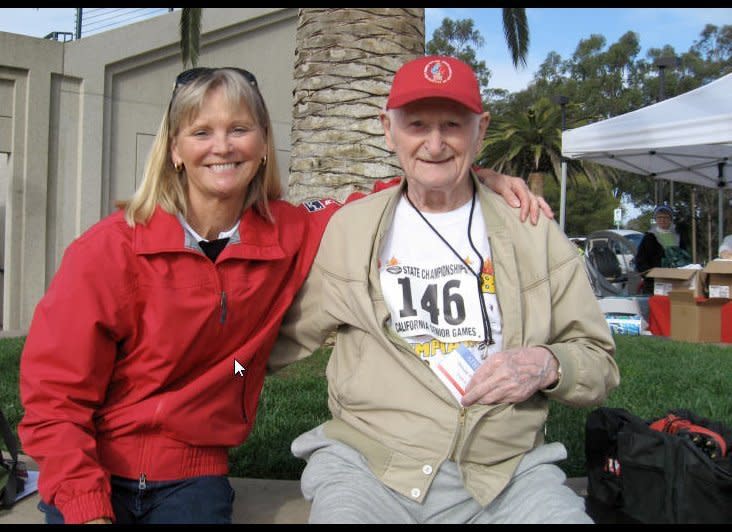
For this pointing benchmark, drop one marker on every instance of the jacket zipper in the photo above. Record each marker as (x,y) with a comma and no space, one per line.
(142,483)
(223,307)
(401,344)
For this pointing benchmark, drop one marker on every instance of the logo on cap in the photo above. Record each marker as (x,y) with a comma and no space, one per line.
(437,71)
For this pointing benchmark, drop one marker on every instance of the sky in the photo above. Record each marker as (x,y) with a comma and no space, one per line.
(561,29)
(550,28)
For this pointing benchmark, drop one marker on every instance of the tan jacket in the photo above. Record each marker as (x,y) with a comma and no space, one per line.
(388,404)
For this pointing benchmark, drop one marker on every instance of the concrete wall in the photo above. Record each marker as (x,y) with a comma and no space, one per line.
(77,120)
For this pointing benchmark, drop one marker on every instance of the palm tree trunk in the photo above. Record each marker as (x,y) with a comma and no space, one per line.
(536,183)
(345,59)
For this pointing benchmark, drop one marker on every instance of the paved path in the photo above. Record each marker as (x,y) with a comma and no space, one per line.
(258,501)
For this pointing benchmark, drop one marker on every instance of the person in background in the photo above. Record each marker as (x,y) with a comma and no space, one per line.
(661,247)
(455,325)
(725,248)
(145,359)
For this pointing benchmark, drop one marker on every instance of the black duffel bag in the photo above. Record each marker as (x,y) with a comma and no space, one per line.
(675,469)
(12,471)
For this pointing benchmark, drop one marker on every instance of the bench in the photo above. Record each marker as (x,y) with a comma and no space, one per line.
(266,501)
(258,501)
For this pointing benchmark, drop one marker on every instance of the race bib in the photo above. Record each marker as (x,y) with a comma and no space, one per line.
(440,301)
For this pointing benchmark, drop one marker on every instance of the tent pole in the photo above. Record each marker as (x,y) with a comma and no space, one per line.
(709,233)
(693,225)
(671,193)
(720,202)
(563,196)
(720,215)
(562,101)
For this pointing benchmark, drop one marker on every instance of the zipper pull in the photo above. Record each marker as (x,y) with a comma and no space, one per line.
(223,307)
(142,484)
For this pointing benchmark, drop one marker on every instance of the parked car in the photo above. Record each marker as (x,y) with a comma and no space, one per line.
(634,236)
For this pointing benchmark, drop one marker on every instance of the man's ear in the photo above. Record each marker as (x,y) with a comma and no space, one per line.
(386,124)
(485,120)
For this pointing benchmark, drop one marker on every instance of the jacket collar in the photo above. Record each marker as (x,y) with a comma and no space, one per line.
(257,238)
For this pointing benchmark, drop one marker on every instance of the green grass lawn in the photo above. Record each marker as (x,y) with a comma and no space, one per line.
(656,375)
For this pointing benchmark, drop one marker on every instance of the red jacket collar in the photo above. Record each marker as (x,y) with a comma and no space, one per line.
(259,239)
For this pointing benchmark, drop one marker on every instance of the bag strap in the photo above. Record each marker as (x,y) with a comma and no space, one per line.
(8,437)
(11,487)
(673,424)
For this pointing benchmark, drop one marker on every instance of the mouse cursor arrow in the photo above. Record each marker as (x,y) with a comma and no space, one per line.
(238,368)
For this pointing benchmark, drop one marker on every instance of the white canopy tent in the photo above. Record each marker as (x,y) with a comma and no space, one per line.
(686,139)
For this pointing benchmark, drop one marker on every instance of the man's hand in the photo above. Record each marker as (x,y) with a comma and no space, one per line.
(512,376)
(516,193)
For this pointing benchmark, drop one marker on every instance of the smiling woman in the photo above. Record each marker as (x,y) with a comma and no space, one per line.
(220,150)
(187,283)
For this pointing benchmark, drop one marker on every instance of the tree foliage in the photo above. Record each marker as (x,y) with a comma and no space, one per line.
(589,206)
(516,31)
(456,39)
(526,143)
(602,80)
(190,35)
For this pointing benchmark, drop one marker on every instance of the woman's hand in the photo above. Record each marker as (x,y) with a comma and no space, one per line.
(516,193)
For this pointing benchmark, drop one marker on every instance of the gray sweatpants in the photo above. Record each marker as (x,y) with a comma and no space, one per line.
(342,489)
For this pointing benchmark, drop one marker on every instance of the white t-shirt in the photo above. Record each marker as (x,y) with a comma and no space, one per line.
(434,299)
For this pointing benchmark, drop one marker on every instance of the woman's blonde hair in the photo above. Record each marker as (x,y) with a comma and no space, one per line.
(163,185)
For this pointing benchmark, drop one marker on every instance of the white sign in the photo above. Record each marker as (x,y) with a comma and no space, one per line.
(618,215)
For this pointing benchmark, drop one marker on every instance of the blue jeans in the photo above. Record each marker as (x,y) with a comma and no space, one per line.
(198,500)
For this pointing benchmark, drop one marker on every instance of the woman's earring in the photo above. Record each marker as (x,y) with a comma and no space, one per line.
(264,161)
(178,167)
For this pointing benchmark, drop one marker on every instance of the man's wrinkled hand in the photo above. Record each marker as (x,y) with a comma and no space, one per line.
(512,376)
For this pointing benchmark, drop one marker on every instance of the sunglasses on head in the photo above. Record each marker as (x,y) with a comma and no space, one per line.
(191,74)
(187,76)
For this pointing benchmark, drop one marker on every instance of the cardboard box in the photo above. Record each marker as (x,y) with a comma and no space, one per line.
(667,279)
(695,320)
(718,277)
(619,305)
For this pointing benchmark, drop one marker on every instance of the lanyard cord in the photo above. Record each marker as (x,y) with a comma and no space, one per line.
(487,332)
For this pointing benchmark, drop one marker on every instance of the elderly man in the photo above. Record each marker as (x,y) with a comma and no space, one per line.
(456,323)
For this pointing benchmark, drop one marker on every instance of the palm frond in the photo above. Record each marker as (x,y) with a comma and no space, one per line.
(190,34)
(516,31)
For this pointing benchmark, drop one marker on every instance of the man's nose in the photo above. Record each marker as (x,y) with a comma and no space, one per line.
(434,141)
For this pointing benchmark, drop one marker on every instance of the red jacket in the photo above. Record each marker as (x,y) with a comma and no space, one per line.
(129,364)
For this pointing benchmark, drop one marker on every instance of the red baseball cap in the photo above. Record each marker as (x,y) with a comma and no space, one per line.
(435,76)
